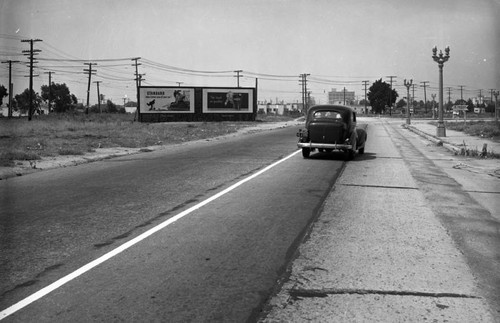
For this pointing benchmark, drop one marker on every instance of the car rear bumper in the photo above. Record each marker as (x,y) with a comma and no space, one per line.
(324,146)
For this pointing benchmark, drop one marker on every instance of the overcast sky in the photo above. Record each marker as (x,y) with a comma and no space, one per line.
(340,43)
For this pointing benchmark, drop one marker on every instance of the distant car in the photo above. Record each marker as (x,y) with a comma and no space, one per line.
(331,128)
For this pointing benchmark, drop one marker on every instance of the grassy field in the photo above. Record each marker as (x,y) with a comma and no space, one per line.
(483,129)
(76,134)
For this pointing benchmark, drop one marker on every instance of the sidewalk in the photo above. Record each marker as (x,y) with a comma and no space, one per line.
(386,257)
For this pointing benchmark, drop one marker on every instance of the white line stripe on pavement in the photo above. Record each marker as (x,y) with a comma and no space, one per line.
(55,285)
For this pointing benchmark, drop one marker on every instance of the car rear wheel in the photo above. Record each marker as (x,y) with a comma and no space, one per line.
(361,151)
(306,152)
(350,153)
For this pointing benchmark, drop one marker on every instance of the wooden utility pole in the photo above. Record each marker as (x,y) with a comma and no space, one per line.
(461,93)
(365,83)
(136,64)
(495,93)
(390,94)
(50,88)
(99,96)
(11,87)
(425,94)
(32,52)
(303,82)
(90,71)
(238,76)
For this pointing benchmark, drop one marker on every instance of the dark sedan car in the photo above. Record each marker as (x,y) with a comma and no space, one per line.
(329,128)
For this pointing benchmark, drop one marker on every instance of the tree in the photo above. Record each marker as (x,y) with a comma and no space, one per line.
(3,93)
(131,104)
(470,106)
(490,107)
(111,107)
(23,100)
(60,95)
(362,102)
(380,96)
(401,104)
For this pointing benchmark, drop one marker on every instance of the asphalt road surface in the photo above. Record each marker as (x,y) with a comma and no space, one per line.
(215,260)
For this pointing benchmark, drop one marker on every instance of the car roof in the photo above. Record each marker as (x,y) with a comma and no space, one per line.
(339,108)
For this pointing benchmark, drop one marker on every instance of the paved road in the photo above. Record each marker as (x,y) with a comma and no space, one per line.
(404,236)
(219,262)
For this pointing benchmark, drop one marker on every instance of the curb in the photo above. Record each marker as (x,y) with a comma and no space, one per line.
(434,139)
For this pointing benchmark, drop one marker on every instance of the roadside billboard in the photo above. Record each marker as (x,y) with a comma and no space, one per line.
(227,100)
(166,99)
(164,104)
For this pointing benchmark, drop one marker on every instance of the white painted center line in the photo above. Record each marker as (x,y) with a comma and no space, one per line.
(55,285)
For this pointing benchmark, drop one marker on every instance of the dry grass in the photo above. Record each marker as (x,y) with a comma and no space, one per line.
(483,129)
(76,134)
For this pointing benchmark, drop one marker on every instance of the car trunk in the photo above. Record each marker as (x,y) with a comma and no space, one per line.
(326,132)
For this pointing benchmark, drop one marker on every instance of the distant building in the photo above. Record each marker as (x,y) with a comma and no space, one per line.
(360,109)
(339,97)
(130,109)
(278,109)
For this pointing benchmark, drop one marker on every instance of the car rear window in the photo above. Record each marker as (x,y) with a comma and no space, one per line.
(331,115)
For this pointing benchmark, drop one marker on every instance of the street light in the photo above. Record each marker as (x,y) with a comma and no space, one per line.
(441,59)
(408,85)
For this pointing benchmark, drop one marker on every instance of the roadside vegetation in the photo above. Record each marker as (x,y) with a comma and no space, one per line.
(483,129)
(77,133)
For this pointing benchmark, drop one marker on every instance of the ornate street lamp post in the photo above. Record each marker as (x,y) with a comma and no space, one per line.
(408,85)
(441,59)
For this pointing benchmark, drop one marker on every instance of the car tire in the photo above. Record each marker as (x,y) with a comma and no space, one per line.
(361,151)
(350,154)
(306,152)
